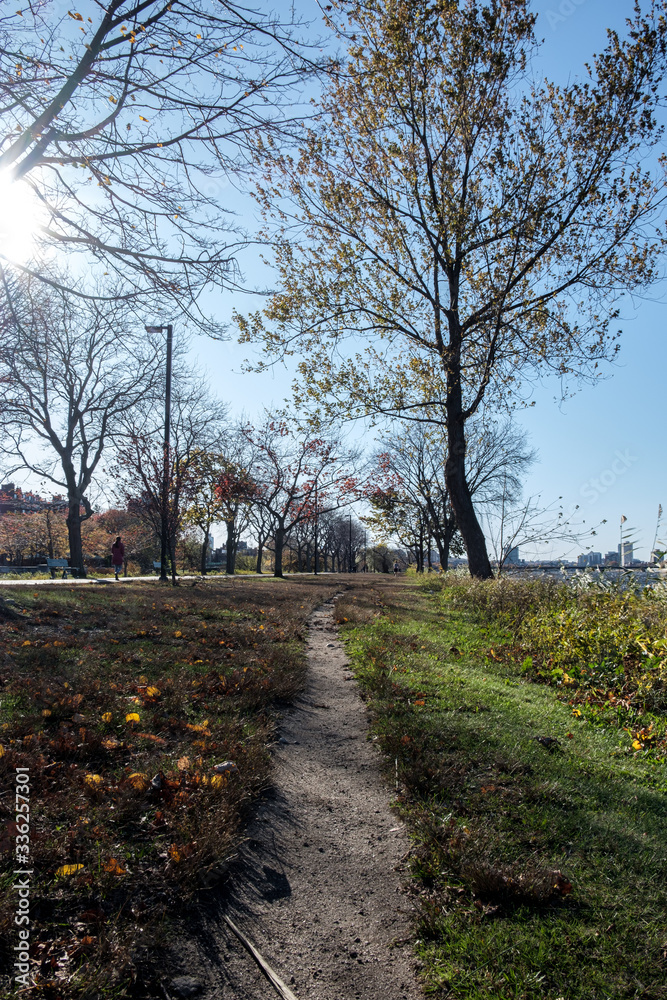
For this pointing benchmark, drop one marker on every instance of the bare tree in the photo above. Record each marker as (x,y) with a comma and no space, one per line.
(197,426)
(68,373)
(128,123)
(292,469)
(260,521)
(236,490)
(409,493)
(345,542)
(511,522)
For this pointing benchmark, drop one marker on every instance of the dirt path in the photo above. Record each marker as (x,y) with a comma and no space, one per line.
(317,889)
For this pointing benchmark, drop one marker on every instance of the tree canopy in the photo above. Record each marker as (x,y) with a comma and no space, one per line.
(128,126)
(454,226)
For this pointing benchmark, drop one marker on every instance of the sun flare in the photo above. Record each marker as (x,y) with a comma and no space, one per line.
(18,220)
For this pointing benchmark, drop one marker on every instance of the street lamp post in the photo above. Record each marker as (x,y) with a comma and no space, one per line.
(165,451)
(315,526)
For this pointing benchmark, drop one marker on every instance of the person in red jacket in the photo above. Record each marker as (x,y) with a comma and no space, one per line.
(117,555)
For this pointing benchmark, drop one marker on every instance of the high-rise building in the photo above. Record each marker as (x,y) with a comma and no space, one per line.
(512,558)
(626,556)
(590,559)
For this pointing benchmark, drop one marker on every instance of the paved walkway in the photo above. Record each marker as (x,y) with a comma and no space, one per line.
(74,582)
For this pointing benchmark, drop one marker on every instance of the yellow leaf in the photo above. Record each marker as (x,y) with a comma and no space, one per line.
(132,717)
(178,634)
(218,780)
(2,751)
(107,717)
(174,853)
(138,780)
(110,743)
(153,692)
(636,744)
(69,869)
(46,712)
(93,780)
(142,119)
(77,17)
(27,643)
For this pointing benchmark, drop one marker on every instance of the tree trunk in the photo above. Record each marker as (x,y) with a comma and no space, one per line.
(172,557)
(50,533)
(278,552)
(260,550)
(204,551)
(444,541)
(75,544)
(455,473)
(231,548)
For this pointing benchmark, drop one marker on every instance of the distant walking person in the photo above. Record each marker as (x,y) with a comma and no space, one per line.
(117,555)
(397,568)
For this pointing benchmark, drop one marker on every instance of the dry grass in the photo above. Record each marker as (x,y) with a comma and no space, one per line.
(120,702)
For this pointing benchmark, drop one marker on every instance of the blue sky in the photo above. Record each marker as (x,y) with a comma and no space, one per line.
(604,449)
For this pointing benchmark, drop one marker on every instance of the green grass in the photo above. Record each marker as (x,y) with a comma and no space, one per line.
(504,826)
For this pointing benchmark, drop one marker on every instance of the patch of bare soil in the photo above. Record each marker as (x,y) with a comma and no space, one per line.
(317,887)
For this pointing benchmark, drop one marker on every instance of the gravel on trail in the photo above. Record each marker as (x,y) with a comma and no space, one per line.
(317,888)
